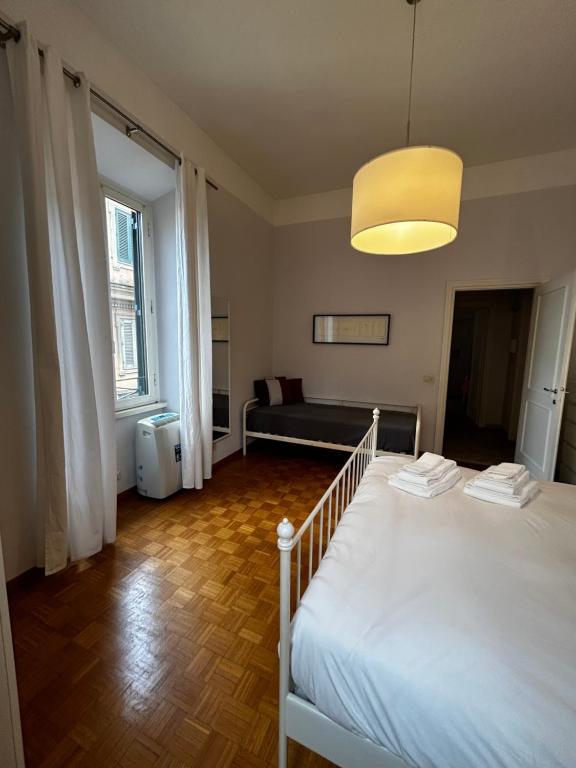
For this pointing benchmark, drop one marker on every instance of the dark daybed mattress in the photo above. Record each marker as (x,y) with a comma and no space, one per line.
(340,424)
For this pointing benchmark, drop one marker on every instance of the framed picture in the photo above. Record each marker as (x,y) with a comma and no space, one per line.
(351,329)
(219,329)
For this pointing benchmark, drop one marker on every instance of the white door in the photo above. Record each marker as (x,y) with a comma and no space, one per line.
(545,376)
(11,752)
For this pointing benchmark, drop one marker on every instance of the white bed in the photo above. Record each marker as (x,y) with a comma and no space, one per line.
(442,630)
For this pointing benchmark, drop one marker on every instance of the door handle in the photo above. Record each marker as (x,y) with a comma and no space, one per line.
(554,391)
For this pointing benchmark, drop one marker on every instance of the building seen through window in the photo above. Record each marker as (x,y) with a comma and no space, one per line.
(125,267)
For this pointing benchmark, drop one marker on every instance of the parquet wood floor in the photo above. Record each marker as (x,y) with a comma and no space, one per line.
(161,650)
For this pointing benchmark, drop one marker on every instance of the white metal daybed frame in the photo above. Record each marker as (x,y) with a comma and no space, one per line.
(253,403)
(299,719)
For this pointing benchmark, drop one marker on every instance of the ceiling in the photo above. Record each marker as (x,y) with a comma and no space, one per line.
(302,92)
(126,164)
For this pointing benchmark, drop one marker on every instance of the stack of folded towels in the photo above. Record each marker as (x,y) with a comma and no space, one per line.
(427,477)
(504,483)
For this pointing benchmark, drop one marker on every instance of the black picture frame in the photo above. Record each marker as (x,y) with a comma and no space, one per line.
(380,343)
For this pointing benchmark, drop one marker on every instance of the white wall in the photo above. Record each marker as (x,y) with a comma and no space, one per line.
(84,48)
(125,165)
(529,236)
(126,450)
(17,430)
(523,237)
(164,230)
(241,271)
(164,216)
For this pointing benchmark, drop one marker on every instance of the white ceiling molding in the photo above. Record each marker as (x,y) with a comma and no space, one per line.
(527,174)
(324,205)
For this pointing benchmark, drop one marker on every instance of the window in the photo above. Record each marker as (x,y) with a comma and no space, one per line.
(130,268)
(128,329)
(124,241)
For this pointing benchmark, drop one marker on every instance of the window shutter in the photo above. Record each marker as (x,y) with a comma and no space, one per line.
(124,238)
(128,356)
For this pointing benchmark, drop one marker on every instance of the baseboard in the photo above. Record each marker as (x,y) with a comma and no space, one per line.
(23,580)
(127,493)
(131,493)
(226,459)
(34,574)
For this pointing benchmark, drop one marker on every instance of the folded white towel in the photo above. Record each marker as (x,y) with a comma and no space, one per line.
(427,463)
(427,492)
(505,471)
(505,487)
(436,474)
(517,500)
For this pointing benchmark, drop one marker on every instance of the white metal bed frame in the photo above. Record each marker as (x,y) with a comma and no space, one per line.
(299,719)
(253,403)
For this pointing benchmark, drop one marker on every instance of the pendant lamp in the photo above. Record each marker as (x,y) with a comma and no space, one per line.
(407,200)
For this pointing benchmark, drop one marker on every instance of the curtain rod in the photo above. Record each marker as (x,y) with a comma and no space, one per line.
(13,33)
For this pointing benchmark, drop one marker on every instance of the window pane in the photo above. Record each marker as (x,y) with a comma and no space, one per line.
(128,351)
(125,266)
(124,243)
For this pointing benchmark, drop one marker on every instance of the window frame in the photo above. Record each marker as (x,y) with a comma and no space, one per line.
(149,290)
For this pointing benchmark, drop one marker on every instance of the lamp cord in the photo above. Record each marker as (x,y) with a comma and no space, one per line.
(414,3)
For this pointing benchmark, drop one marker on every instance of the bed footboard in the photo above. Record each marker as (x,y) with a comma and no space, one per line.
(310,543)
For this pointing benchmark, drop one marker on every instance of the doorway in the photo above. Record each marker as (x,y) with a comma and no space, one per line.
(490,330)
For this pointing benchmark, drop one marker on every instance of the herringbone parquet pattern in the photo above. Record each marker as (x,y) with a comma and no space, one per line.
(161,650)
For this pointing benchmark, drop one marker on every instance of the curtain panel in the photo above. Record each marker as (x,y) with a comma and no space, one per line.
(194,325)
(70,315)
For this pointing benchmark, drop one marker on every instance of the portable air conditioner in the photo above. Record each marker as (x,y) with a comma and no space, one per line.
(158,467)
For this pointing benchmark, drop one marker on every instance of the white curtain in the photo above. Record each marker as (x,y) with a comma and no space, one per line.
(194,325)
(70,316)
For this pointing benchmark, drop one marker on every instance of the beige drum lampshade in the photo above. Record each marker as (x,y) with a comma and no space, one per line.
(407,201)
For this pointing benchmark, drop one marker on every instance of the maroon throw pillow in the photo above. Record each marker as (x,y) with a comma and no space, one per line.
(297,393)
(292,391)
(261,391)
(286,390)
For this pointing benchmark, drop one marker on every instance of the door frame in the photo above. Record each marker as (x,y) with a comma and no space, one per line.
(567,329)
(452,287)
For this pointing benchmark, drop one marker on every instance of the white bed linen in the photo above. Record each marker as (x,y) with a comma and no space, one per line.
(445,629)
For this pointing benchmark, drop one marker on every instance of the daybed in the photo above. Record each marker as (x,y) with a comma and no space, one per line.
(334,424)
